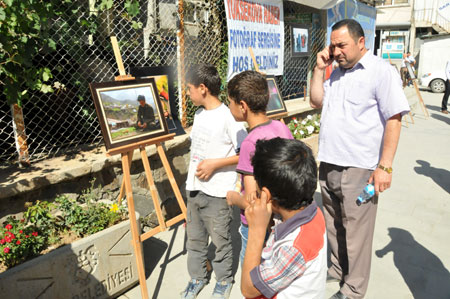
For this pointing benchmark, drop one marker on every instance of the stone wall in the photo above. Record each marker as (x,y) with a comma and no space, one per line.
(70,175)
(50,179)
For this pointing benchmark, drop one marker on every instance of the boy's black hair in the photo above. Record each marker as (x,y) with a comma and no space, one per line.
(354,28)
(250,87)
(288,169)
(204,74)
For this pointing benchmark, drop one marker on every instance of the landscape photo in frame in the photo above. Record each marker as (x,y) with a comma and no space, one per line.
(276,104)
(128,111)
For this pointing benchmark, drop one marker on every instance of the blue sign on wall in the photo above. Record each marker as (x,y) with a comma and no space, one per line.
(351,9)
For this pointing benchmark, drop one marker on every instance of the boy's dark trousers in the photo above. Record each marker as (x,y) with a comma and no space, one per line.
(208,216)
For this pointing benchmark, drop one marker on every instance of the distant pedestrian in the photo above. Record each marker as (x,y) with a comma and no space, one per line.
(447,89)
(362,105)
(407,58)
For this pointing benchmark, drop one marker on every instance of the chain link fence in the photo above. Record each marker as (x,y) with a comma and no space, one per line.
(65,121)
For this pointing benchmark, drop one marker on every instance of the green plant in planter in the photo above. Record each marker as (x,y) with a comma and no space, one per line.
(40,215)
(19,242)
(306,127)
(89,218)
(43,224)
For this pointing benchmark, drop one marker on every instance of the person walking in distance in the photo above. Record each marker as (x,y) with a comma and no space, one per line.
(362,105)
(447,89)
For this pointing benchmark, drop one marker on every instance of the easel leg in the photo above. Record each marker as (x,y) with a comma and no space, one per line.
(151,185)
(406,121)
(172,181)
(412,119)
(424,108)
(122,187)
(137,245)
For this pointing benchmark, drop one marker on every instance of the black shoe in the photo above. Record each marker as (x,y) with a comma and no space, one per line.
(332,279)
(339,295)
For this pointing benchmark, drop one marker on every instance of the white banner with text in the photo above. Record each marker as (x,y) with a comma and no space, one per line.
(258,25)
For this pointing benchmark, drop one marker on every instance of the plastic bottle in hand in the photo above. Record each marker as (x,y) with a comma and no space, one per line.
(366,195)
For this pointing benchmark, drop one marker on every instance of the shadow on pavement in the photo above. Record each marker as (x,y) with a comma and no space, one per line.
(422,271)
(434,108)
(158,249)
(441,118)
(439,175)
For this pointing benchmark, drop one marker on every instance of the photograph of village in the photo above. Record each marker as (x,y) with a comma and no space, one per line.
(122,110)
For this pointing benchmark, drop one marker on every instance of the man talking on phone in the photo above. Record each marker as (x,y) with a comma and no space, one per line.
(362,104)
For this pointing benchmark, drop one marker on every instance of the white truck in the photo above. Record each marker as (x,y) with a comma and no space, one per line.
(434,54)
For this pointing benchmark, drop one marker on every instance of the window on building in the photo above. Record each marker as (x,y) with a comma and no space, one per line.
(195,12)
(392,2)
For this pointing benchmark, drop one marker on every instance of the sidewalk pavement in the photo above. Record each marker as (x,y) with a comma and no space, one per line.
(411,255)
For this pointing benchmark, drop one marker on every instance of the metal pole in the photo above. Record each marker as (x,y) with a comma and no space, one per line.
(181,71)
(19,135)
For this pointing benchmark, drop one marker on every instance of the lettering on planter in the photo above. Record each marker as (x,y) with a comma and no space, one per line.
(112,281)
(84,265)
(120,277)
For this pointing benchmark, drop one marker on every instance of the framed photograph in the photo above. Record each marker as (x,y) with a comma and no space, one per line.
(276,104)
(300,40)
(164,79)
(128,111)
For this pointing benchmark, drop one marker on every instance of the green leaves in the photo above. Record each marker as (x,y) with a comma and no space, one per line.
(2,14)
(46,74)
(27,30)
(132,7)
(105,4)
(23,35)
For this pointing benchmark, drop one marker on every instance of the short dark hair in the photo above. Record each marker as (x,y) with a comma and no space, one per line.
(354,28)
(141,97)
(204,74)
(288,169)
(250,87)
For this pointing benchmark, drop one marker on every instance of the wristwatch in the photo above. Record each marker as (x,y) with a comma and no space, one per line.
(387,169)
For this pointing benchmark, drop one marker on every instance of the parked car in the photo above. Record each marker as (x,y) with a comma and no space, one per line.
(434,80)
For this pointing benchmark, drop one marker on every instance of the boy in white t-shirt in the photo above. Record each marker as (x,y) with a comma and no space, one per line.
(215,142)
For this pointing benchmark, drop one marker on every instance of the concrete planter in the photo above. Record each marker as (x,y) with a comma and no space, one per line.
(313,142)
(98,266)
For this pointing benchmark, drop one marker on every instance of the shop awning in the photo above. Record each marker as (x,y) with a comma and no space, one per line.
(319,4)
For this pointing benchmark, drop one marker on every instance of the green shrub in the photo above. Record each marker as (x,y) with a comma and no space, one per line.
(306,127)
(19,242)
(44,223)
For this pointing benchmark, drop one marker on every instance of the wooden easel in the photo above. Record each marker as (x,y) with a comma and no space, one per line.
(422,103)
(127,157)
(279,116)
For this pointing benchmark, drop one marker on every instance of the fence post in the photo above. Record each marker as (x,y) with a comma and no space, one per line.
(180,62)
(19,135)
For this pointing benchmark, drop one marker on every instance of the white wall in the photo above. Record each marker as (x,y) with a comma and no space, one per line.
(392,16)
(434,54)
